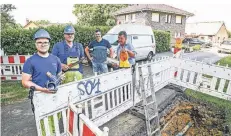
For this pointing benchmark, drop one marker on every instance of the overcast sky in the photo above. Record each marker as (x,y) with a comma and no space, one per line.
(62,12)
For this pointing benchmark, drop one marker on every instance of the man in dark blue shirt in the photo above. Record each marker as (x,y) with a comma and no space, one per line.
(36,67)
(70,52)
(99,55)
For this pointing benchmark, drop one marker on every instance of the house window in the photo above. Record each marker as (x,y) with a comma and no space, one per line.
(126,18)
(168,18)
(178,20)
(156,17)
(133,17)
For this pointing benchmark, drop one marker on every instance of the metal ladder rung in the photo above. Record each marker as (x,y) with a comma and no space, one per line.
(158,129)
(151,103)
(154,116)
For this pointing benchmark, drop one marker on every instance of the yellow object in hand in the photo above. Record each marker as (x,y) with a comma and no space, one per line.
(124,63)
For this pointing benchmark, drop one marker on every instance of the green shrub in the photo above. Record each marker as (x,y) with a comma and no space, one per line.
(21,41)
(162,40)
(196,48)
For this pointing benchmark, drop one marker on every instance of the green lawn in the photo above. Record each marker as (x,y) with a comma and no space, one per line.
(12,91)
(224,61)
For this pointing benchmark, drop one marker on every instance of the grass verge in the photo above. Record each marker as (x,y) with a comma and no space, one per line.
(12,91)
(224,61)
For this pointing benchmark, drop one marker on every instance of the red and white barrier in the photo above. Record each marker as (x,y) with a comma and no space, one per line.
(11,66)
(14,59)
(80,125)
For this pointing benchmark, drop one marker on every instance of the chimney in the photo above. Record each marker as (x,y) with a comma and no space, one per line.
(27,20)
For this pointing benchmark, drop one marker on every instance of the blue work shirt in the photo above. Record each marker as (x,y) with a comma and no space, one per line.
(38,66)
(63,51)
(99,50)
(129,47)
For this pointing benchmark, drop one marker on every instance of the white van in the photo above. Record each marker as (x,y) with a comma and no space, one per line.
(140,36)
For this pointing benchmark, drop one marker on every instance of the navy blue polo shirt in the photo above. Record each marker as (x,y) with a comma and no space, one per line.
(38,66)
(100,50)
(63,51)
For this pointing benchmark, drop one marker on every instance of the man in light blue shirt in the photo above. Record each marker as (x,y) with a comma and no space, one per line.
(127,47)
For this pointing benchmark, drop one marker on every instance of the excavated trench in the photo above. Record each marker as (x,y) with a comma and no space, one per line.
(187,116)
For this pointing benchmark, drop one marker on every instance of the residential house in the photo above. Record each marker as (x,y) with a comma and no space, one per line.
(31,24)
(215,32)
(158,16)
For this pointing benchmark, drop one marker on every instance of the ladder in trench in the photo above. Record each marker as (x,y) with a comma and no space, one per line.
(150,105)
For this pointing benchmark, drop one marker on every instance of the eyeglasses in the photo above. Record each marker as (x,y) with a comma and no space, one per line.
(43,43)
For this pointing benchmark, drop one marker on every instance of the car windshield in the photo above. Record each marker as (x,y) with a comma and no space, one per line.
(112,38)
(226,42)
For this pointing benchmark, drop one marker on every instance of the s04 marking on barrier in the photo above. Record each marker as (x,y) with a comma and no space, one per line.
(89,87)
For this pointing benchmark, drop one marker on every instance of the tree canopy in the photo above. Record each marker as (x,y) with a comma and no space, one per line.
(7,20)
(96,14)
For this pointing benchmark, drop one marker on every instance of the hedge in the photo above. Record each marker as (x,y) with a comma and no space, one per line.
(21,40)
(196,47)
(162,40)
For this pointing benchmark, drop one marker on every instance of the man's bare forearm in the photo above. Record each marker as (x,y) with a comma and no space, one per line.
(131,54)
(111,54)
(28,84)
(88,55)
(87,52)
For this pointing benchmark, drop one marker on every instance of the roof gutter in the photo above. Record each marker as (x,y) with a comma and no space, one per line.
(147,9)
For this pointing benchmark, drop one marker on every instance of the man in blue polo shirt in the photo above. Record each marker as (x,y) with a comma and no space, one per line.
(37,66)
(99,56)
(69,52)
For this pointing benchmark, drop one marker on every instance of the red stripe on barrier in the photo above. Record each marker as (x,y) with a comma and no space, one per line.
(175,74)
(22,59)
(176,50)
(3,78)
(11,59)
(14,78)
(1,59)
(87,131)
(71,120)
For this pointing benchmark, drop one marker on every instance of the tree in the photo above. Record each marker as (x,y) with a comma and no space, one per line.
(42,22)
(96,14)
(6,19)
(229,32)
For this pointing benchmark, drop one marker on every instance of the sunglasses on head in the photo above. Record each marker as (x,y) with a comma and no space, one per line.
(70,34)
